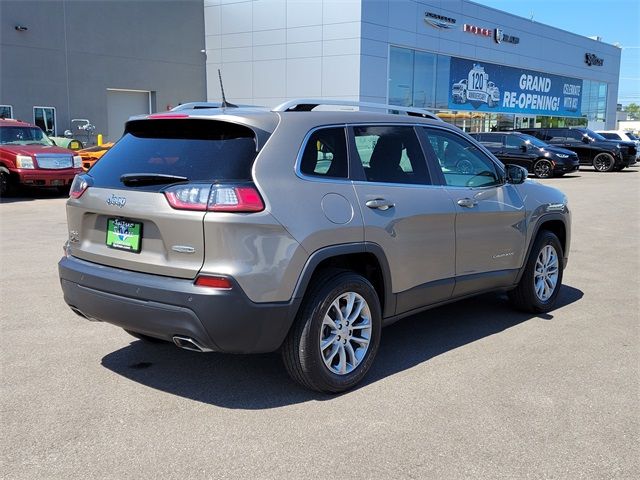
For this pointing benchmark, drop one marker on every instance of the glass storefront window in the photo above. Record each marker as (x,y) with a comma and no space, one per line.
(424,80)
(401,76)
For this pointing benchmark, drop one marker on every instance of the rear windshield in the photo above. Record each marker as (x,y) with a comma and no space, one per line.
(200,150)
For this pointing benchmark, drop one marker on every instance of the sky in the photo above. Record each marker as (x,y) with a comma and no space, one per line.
(616,21)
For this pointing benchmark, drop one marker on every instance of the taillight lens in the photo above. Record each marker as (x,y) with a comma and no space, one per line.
(79,186)
(215,198)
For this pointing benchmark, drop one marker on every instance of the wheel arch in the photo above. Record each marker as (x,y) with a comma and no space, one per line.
(556,224)
(367,259)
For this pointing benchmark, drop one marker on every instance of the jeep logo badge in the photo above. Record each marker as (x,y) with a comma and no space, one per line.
(116,201)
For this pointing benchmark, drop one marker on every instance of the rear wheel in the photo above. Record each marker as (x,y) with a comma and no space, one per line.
(335,338)
(538,288)
(543,169)
(604,162)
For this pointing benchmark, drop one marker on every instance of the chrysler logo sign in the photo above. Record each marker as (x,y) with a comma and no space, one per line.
(593,60)
(439,21)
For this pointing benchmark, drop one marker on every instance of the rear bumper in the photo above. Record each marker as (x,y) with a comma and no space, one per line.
(162,307)
(46,178)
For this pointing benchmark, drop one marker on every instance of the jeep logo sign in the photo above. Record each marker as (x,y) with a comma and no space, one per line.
(116,201)
(593,60)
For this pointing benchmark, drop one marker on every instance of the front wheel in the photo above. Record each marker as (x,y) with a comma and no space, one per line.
(335,337)
(538,288)
(604,162)
(543,169)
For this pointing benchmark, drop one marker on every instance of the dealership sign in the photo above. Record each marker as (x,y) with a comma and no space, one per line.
(439,21)
(592,60)
(488,87)
(498,35)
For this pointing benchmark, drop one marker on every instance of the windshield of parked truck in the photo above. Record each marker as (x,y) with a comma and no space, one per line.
(23,136)
(592,134)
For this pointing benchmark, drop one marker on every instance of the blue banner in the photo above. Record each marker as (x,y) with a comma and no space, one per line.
(487,87)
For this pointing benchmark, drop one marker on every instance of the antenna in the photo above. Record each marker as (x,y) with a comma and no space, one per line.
(225,104)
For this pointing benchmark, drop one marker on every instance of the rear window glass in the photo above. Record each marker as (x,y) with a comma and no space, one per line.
(200,150)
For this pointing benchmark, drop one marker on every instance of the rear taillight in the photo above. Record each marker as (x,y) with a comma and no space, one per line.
(215,198)
(213,281)
(79,186)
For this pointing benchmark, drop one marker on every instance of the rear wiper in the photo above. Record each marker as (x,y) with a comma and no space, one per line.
(150,178)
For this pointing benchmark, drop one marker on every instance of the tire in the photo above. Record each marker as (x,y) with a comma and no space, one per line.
(143,337)
(604,162)
(315,352)
(5,182)
(543,169)
(532,293)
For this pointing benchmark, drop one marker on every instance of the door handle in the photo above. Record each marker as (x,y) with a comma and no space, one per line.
(467,202)
(380,204)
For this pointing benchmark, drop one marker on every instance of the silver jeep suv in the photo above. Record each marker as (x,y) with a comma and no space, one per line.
(305,231)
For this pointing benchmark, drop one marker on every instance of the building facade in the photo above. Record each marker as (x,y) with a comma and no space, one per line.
(475,66)
(98,60)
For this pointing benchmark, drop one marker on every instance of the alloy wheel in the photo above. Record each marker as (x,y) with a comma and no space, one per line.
(546,273)
(346,333)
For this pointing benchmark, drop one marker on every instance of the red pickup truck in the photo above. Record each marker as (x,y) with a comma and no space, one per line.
(28,157)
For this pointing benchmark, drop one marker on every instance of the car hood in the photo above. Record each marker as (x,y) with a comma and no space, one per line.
(34,149)
(540,199)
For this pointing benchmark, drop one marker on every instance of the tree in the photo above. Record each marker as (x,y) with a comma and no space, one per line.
(633,110)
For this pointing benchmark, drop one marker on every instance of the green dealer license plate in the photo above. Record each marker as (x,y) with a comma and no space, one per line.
(124,234)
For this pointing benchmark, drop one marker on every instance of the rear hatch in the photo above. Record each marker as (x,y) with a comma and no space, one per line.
(141,207)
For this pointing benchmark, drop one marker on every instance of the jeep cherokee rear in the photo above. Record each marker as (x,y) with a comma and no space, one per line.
(247,230)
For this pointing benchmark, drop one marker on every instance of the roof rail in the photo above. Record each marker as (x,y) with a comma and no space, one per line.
(308,104)
(204,105)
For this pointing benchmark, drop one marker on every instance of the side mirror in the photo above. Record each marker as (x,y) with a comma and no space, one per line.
(524,147)
(516,174)
(585,139)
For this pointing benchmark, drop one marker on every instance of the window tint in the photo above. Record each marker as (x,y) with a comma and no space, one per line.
(201,150)
(491,140)
(23,136)
(6,111)
(462,163)
(391,154)
(574,136)
(555,135)
(513,142)
(611,136)
(325,154)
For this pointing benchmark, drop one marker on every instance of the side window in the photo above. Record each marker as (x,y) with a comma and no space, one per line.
(391,154)
(461,162)
(6,111)
(492,140)
(574,136)
(513,142)
(325,154)
(45,118)
(555,135)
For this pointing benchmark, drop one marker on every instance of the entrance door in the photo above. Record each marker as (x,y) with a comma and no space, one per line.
(523,121)
(122,104)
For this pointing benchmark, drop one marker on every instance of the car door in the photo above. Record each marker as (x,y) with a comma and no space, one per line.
(490,214)
(404,213)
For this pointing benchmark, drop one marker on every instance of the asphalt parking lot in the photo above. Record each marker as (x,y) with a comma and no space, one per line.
(470,390)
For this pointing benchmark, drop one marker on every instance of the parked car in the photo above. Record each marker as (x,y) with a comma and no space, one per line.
(592,148)
(624,136)
(92,154)
(537,157)
(254,230)
(28,157)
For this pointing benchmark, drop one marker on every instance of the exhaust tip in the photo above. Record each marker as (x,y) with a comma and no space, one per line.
(188,343)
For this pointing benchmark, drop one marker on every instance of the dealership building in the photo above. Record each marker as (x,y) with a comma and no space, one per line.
(475,66)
